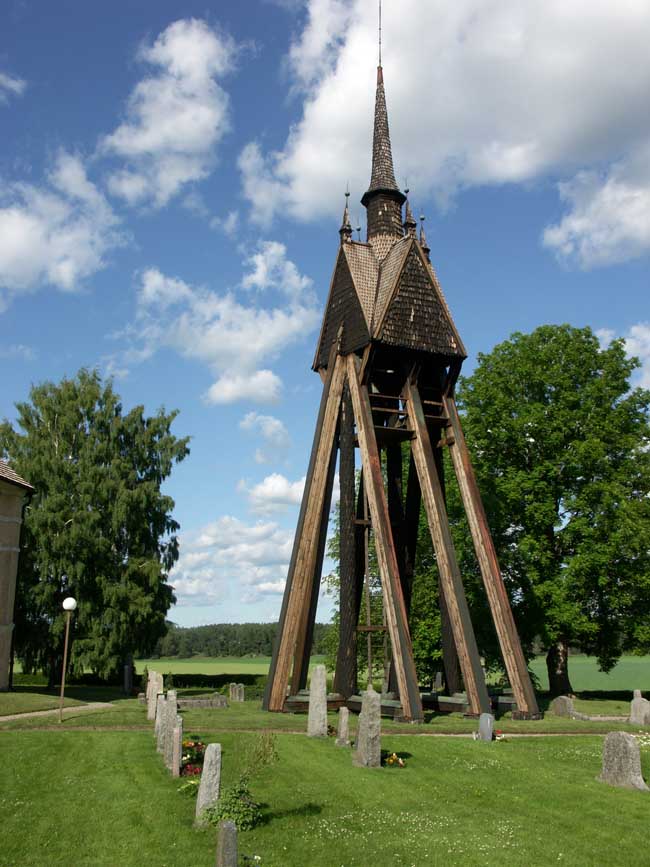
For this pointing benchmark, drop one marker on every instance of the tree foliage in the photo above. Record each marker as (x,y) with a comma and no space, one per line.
(98,527)
(560,445)
(227,639)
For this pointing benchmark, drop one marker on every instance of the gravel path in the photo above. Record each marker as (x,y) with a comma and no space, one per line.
(67,711)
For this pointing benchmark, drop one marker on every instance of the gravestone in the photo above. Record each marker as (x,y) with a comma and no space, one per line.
(210,784)
(241,692)
(486,727)
(562,706)
(154,686)
(214,701)
(317,719)
(437,683)
(159,725)
(142,697)
(343,734)
(170,719)
(368,744)
(232,691)
(639,710)
(622,762)
(177,747)
(227,845)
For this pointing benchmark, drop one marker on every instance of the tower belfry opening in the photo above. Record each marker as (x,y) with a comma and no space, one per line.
(389,355)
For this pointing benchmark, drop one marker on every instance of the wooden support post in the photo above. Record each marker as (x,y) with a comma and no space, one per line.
(450,661)
(345,676)
(297,594)
(497,595)
(393,600)
(307,619)
(470,663)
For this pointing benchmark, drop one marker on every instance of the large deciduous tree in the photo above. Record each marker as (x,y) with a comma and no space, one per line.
(98,527)
(560,444)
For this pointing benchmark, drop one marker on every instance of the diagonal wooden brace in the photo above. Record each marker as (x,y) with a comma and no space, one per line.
(450,578)
(300,577)
(497,595)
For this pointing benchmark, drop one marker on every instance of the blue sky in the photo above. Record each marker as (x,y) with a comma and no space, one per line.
(171,185)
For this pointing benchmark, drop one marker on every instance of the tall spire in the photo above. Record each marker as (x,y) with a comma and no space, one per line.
(382,177)
(409,220)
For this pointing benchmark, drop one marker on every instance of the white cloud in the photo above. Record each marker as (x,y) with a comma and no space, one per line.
(478,93)
(637,344)
(230,553)
(273,432)
(57,234)
(228,224)
(272,270)
(609,217)
(10,86)
(233,338)
(274,494)
(175,117)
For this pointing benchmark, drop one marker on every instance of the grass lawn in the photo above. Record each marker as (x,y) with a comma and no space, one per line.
(631,672)
(103,798)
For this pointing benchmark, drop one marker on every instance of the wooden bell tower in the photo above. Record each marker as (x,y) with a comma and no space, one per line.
(389,355)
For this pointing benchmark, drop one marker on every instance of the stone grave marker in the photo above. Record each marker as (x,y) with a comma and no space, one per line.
(486,727)
(639,710)
(231,694)
(169,724)
(562,706)
(368,744)
(622,762)
(154,686)
(177,746)
(227,845)
(317,718)
(343,734)
(241,692)
(159,725)
(210,784)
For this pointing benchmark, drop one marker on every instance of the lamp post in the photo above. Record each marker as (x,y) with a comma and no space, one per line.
(69,605)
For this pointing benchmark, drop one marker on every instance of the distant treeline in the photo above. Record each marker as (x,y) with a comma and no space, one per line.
(228,639)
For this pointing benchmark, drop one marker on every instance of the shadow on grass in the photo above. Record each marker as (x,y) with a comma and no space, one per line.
(305,811)
(80,693)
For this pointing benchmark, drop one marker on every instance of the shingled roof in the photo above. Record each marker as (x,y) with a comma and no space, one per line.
(8,475)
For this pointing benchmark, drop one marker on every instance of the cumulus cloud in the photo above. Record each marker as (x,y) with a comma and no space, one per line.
(274,494)
(637,344)
(478,93)
(609,215)
(175,117)
(230,553)
(57,234)
(233,337)
(10,86)
(274,434)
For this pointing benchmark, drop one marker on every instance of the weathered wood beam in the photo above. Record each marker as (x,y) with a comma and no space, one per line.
(393,599)
(345,676)
(307,620)
(497,595)
(464,638)
(305,547)
(450,661)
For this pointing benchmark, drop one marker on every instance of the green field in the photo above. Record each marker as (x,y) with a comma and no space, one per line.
(631,672)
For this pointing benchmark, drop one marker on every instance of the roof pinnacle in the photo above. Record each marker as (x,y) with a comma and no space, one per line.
(382,177)
(409,220)
(423,238)
(346,227)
